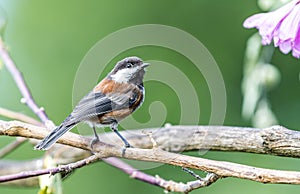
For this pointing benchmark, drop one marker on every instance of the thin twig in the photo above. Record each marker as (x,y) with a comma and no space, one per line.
(17,76)
(204,182)
(19,116)
(132,172)
(158,181)
(52,171)
(12,146)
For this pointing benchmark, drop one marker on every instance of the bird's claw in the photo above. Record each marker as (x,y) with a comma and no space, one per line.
(94,141)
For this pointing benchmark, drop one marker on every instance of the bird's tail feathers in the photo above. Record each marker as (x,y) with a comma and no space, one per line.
(48,141)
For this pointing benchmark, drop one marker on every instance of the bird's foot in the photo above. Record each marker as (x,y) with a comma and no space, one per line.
(124,148)
(94,141)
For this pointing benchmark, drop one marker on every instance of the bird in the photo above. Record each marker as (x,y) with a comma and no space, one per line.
(115,97)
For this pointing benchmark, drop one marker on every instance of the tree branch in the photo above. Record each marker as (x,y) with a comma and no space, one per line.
(222,169)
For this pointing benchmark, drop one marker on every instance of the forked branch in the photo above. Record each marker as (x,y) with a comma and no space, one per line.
(220,168)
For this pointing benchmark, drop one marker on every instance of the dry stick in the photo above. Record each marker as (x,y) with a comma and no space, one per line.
(222,169)
(22,85)
(275,140)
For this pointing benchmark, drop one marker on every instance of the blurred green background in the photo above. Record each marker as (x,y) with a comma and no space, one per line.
(48,40)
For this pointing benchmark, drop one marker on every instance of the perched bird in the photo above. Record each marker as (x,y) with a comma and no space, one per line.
(119,94)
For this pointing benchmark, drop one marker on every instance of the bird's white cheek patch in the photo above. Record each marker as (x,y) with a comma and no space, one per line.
(124,75)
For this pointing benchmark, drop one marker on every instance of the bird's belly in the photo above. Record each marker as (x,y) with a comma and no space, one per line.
(111,117)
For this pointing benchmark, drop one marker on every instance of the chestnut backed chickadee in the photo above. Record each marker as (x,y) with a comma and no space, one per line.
(119,94)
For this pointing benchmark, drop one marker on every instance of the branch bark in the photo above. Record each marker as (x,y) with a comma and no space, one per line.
(275,140)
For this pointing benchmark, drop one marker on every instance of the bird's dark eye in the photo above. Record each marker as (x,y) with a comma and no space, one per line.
(129,65)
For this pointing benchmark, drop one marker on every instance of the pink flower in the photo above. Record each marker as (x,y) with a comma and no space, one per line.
(281,25)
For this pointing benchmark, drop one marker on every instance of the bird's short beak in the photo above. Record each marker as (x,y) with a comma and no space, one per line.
(145,65)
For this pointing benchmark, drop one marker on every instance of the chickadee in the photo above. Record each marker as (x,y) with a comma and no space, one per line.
(119,94)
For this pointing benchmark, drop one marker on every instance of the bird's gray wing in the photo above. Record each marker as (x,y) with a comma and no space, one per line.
(94,104)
